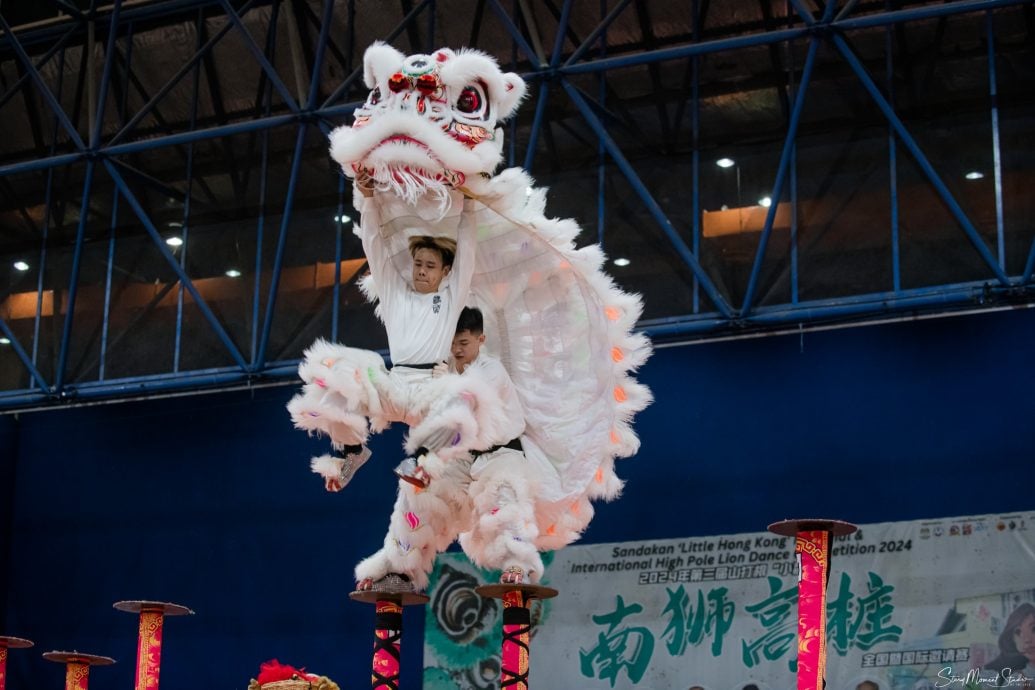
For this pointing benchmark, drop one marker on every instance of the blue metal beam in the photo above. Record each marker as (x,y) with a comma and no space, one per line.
(271,302)
(30,35)
(188,195)
(846,10)
(921,159)
(44,90)
(956,296)
(803,12)
(149,226)
(174,80)
(896,259)
(703,48)
(23,356)
(358,72)
(908,302)
(13,89)
(200,135)
(73,281)
(562,27)
(1029,265)
(652,205)
(109,59)
(102,359)
(321,49)
(515,34)
(781,175)
(537,124)
(997,164)
(256,51)
(597,32)
(947,9)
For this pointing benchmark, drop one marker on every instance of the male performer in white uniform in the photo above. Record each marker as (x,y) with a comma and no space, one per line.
(345,385)
(503,532)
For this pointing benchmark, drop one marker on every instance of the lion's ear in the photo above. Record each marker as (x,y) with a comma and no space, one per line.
(512,93)
(380,61)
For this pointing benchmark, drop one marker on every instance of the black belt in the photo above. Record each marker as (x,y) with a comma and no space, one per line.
(513,444)
(429,365)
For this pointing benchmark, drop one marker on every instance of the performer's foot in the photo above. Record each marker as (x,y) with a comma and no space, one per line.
(392,583)
(513,575)
(351,458)
(409,470)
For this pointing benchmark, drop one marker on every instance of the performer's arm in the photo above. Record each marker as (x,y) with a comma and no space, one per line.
(463,266)
(388,280)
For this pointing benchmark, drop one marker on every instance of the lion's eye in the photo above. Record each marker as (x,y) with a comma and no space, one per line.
(471,101)
(375,96)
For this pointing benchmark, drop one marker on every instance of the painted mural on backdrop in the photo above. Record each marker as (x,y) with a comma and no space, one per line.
(916,605)
(463,631)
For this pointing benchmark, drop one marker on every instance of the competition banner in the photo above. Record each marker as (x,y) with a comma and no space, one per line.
(918,605)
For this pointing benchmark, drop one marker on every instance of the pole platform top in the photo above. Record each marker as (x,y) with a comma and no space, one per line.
(79,658)
(402,598)
(791,528)
(15,642)
(530,591)
(153,607)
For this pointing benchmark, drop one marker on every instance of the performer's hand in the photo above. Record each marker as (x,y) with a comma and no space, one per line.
(440,369)
(364,182)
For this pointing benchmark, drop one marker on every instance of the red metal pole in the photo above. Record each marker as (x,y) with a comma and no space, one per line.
(517,629)
(384,674)
(149,637)
(77,667)
(5,644)
(388,628)
(812,540)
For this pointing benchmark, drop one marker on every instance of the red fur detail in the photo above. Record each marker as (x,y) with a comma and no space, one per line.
(271,671)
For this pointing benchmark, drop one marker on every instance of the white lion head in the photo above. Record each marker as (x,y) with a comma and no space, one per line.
(429,122)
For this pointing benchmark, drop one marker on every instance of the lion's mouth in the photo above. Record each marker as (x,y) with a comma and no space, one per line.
(408,141)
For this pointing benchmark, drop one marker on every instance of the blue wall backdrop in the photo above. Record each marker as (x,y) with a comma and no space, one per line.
(207,500)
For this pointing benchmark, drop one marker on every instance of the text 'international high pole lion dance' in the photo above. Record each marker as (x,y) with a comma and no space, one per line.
(512,351)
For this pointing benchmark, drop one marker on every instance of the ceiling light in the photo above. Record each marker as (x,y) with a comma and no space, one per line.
(725,163)
(21,265)
(5,341)
(342,219)
(974,175)
(233,273)
(765,202)
(174,224)
(622,261)
(174,241)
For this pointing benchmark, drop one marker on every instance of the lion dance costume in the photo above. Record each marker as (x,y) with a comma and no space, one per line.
(422,152)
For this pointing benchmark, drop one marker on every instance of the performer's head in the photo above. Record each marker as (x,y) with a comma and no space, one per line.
(432,261)
(470,334)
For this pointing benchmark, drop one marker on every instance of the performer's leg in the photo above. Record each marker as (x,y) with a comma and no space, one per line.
(424,522)
(504,532)
(344,383)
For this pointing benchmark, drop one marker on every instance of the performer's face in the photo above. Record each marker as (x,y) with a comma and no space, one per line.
(466,346)
(428,270)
